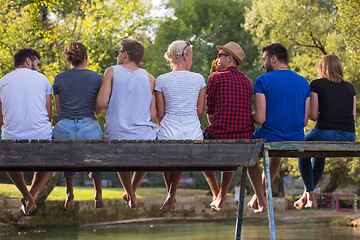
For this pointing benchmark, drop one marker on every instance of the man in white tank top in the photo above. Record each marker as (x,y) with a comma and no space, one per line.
(127,92)
(25,113)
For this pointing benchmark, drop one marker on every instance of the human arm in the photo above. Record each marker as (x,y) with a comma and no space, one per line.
(307,111)
(103,96)
(314,106)
(259,115)
(57,103)
(354,110)
(210,98)
(160,105)
(201,103)
(153,110)
(48,106)
(1,116)
(210,118)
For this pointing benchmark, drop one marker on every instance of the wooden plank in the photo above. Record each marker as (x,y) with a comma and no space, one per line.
(313,149)
(104,155)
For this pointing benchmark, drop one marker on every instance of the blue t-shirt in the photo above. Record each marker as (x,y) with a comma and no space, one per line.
(77,89)
(286,93)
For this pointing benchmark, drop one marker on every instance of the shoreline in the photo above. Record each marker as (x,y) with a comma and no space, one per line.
(116,211)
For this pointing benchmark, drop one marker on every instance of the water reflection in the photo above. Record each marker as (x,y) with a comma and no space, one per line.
(286,229)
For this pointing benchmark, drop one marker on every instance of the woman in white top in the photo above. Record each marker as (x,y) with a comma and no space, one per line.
(180,100)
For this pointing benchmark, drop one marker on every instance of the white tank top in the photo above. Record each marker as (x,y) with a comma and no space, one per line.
(128,114)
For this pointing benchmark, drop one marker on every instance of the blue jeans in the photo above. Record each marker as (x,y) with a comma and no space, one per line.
(82,129)
(311,171)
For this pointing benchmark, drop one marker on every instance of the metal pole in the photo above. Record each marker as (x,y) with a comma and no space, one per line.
(269,195)
(241,204)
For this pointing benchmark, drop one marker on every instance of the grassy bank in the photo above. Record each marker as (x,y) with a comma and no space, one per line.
(87,193)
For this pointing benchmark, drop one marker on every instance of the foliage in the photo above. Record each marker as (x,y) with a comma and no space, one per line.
(205,24)
(348,24)
(48,26)
(309,30)
(303,27)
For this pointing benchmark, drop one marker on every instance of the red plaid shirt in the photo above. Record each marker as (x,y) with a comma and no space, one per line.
(229,100)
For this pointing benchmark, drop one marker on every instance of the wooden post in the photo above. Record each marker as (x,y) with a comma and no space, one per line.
(241,204)
(269,195)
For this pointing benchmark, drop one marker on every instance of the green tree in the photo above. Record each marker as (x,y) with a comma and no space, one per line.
(205,24)
(303,27)
(308,30)
(48,26)
(348,25)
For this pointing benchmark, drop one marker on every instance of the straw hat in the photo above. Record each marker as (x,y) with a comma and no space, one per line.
(235,50)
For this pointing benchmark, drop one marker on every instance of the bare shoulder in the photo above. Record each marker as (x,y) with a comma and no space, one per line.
(109,70)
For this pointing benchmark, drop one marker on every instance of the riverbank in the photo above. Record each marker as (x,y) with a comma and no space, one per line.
(188,208)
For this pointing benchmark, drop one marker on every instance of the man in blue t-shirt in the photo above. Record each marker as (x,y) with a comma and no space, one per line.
(282,105)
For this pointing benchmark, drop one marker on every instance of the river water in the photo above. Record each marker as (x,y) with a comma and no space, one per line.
(252,229)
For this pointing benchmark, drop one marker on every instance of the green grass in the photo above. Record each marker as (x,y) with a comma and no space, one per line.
(87,193)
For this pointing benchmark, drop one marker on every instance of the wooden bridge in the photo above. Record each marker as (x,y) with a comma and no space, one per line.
(158,155)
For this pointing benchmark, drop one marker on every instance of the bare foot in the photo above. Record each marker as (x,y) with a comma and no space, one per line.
(260,209)
(28,206)
(125,197)
(300,203)
(217,205)
(310,200)
(253,202)
(98,203)
(69,201)
(168,205)
(133,201)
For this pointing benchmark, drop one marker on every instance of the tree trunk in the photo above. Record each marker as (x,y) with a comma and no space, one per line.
(334,182)
(43,193)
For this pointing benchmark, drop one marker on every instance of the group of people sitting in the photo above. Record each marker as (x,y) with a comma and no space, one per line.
(284,101)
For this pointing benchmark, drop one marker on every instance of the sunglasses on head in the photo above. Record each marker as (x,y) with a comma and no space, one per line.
(187,44)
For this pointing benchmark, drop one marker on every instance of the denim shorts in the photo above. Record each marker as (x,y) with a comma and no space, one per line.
(79,129)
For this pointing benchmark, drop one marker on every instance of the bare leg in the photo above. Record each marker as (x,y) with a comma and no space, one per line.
(226,178)
(171,198)
(136,179)
(69,202)
(212,181)
(38,180)
(98,193)
(258,202)
(274,170)
(28,203)
(125,178)
(135,182)
(167,180)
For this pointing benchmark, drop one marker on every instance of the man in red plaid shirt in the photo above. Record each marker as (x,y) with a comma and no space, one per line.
(229,107)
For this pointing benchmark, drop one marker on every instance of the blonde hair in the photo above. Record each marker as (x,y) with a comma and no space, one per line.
(330,67)
(176,50)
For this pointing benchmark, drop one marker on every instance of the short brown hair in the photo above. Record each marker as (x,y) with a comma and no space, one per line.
(21,55)
(75,53)
(330,67)
(135,50)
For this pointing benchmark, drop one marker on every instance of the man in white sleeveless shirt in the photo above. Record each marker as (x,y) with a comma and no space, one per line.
(25,113)
(127,92)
